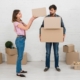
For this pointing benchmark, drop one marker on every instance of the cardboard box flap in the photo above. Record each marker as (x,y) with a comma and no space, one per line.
(69,45)
(68,48)
(76,66)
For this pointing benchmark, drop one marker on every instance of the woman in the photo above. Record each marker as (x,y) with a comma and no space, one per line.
(20,29)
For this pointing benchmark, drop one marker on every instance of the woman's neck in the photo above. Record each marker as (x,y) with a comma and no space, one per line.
(19,20)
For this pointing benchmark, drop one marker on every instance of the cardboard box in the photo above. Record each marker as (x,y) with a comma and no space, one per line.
(0,58)
(71,57)
(52,35)
(39,12)
(52,23)
(68,48)
(13,59)
(11,51)
(75,66)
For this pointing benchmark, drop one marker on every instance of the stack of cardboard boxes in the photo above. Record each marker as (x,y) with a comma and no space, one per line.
(0,58)
(52,31)
(12,56)
(71,54)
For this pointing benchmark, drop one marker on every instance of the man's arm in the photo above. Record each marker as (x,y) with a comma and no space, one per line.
(64,29)
(62,25)
(41,27)
(40,30)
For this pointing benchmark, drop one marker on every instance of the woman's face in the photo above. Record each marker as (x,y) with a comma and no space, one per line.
(19,15)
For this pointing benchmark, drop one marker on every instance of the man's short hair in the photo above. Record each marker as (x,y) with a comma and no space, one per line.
(52,6)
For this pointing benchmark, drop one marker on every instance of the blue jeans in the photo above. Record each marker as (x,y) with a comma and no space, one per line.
(20,44)
(48,52)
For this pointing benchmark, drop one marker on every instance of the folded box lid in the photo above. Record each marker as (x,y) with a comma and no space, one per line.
(69,45)
(68,48)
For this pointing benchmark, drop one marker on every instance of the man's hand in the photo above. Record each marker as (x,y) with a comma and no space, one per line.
(63,37)
(40,37)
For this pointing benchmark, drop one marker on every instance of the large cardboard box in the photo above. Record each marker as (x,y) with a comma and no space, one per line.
(71,57)
(39,12)
(52,35)
(0,58)
(11,51)
(68,48)
(52,23)
(13,59)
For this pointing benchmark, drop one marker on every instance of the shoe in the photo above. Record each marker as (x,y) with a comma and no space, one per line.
(58,69)
(46,69)
(21,75)
(23,71)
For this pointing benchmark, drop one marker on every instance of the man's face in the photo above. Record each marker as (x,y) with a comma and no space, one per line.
(52,11)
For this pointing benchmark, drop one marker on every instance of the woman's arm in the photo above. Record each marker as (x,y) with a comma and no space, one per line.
(23,23)
(26,27)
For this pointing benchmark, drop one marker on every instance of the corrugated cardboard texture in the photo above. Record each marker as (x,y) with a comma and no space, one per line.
(52,23)
(76,67)
(12,59)
(11,51)
(0,58)
(68,48)
(51,35)
(71,57)
(39,12)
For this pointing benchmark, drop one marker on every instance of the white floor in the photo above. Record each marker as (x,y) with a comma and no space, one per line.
(35,72)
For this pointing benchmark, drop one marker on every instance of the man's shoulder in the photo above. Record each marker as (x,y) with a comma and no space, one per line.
(56,15)
(47,15)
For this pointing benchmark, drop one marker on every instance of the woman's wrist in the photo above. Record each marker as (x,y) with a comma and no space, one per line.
(32,18)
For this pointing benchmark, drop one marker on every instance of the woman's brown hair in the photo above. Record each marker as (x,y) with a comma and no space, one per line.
(15,12)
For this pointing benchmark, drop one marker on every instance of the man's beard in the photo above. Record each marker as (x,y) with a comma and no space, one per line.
(51,14)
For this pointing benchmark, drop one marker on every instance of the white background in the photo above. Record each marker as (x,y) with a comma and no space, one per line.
(69,10)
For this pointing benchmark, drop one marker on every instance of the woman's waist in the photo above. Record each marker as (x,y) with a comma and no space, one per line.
(21,36)
(20,33)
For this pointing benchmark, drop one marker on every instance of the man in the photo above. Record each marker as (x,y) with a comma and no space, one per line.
(52,10)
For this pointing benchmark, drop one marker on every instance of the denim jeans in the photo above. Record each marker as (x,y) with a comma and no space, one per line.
(20,44)
(48,52)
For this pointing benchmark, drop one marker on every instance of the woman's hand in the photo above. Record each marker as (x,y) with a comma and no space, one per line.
(33,18)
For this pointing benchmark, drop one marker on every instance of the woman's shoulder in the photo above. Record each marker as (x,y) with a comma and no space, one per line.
(15,23)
